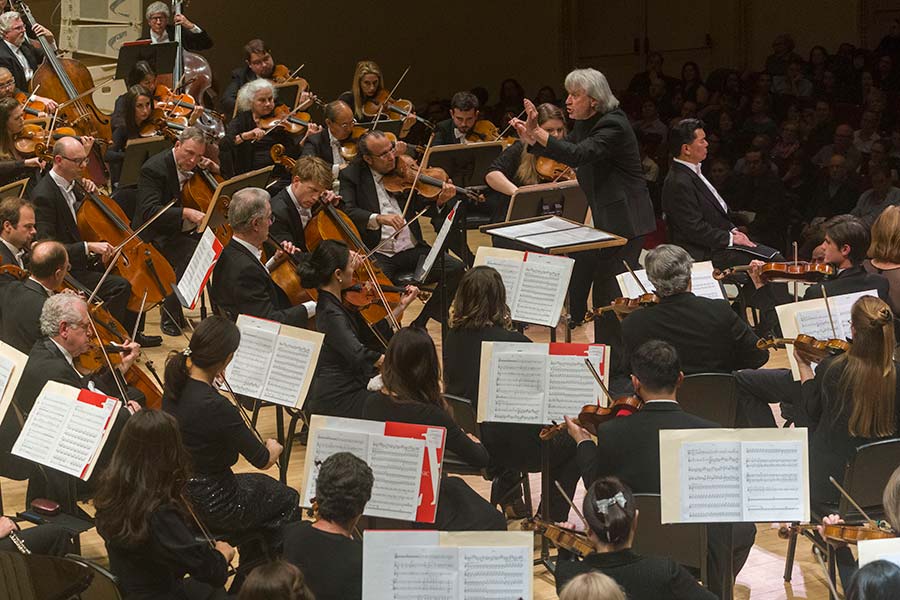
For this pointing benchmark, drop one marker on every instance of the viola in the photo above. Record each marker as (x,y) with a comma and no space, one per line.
(847,534)
(429,183)
(35,139)
(567,539)
(551,170)
(816,349)
(624,306)
(294,123)
(159,124)
(363,295)
(198,192)
(798,271)
(592,415)
(394,109)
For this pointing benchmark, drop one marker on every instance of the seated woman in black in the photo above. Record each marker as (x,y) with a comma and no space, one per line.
(851,399)
(141,74)
(412,394)
(326,552)
(138,106)
(13,165)
(143,516)
(352,351)
(479,313)
(214,434)
(277,580)
(612,516)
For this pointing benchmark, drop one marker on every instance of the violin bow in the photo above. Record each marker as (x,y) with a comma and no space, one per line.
(597,378)
(572,504)
(247,421)
(84,93)
(852,501)
(124,399)
(395,234)
(796,287)
(828,310)
(109,267)
(508,125)
(636,278)
(390,95)
(137,322)
(412,189)
(203,530)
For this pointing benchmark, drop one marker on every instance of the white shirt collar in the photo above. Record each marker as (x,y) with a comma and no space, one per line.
(459,135)
(15,251)
(256,251)
(661,400)
(66,354)
(164,37)
(695,167)
(13,47)
(376,175)
(65,186)
(46,289)
(182,175)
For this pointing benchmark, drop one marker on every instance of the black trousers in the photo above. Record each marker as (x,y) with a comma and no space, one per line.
(727,543)
(178,250)
(47,540)
(407,261)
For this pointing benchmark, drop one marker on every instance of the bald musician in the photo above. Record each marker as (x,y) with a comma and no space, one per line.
(327,143)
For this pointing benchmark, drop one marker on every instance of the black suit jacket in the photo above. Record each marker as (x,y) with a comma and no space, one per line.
(190,40)
(443,133)
(360,201)
(242,285)
(628,447)
(157,185)
(695,219)
(33,55)
(6,256)
(19,321)
(604,152)
(708,335)
(287,225)
(54,221)
(319,144)
(239,77)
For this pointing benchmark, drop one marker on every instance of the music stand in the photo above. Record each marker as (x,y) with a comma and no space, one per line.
(222,196)
(160,56)
(466,164)
(564,199)
(137,151)
(16,187)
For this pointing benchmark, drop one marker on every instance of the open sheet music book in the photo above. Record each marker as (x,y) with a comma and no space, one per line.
(12,363)
(549,233)
(702,282)
(199,269)
(274,362)
(538,383)
(811,318)
(536,284)
(67,428)
(479,565)
(733,475)
(405,459)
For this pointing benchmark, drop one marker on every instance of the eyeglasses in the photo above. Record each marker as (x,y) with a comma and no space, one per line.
(78,161)
(388,152)
(9,83)
(158,18)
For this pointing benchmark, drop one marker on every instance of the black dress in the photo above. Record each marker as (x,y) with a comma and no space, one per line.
(249,156)
(460,508)
(346,361)
(155,569)
(214,434)
(331,563)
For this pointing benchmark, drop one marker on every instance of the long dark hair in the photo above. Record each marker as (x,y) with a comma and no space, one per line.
(7,106)
(411,371)
(480,301)
(148,469)
(277,580)
(610,521)
(214,340)
(134,92)
(317,268)
(878,580)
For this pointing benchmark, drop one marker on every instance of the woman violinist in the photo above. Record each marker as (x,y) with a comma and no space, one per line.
(141,74)
(145,519)
(214,434)
(138,109)
(247,144)
(516,166)
(13,165)
(351,354)
(368,85)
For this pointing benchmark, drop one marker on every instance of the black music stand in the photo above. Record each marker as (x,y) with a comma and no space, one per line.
(466,164)
(160,56)
(564,199)
(137,151)
(222,196)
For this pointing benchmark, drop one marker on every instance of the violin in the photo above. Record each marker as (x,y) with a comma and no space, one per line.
(35,139)
(799,271)
(847,534)
(282,74)
(35,108)
(816,349)
(429,183)
(551,170)
(172,105)
(485,131)
(393,109)
(292,122)
(361,295)
(160,124)
(592,415)
(198,192)
(567,539)
(624,306)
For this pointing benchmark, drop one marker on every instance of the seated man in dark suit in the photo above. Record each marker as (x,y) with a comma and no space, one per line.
(845,246)
(628,448)
(67,334)
(377,215)
(292,207)
(241,283)
(463,116)
(696,215)
(326,144)
(23,300)
(16,52)
(17,230)
(708,334)
(258,63)
(159,30)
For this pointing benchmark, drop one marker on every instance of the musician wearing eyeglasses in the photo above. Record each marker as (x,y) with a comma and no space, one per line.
(327,143)
(8,89)
(160,28)
(258,65)
(16,54)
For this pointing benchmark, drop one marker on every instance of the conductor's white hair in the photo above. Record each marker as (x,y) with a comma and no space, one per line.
(157,7)
(58,309)
(249,90)
(594,84)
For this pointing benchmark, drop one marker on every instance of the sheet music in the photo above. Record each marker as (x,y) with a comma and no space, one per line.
(815,322)
(511,273)
(325,442)
(772,475)
(568,237)
(397,465)
(424,573)
(6,371)
(247,371)
(438,245)
(543,287)
(710,482)
(533,228)
(492,573)
(198,269)
(517,383)
(288,371)
(885,549)
(702,282)
(570,385)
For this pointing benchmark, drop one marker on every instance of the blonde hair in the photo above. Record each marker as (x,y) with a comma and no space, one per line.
(885,244)
(313,169)
(527,172)
(868,382)
(592,586)
(363,68)
(891,500)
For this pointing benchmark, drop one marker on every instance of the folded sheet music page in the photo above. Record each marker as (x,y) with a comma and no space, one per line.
(871,550)
(734,475)
(476,565)
(274,362)
(12,363)
(811,318)
(67,428)
(702,282)
(198,269)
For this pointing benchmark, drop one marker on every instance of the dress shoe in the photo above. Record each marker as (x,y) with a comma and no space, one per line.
(170,328)
(148,341)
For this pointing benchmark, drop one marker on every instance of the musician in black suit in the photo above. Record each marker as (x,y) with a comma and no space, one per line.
(292,207)
(628,448)
(57,198)
(241,283)
(17,230)
(463,116)
(327,143)
(160,182)
(23,300)
(16,53)
(158,29)
(258,64)
(707,333)
(696,215)
(377,215)
(603,150)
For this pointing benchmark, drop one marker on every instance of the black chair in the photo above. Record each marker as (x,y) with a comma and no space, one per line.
(711,396)
(103,586)
(685,543)
(865,477)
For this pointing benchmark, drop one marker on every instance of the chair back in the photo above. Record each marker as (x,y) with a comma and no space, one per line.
(710,396)
(103,586)
(866,475)
(463,412)
(685,543)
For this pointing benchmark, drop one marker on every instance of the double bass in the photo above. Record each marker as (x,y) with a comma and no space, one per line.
(191,67)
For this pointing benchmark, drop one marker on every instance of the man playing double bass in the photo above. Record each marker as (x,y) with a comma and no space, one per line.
(16,54)
(159,30)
